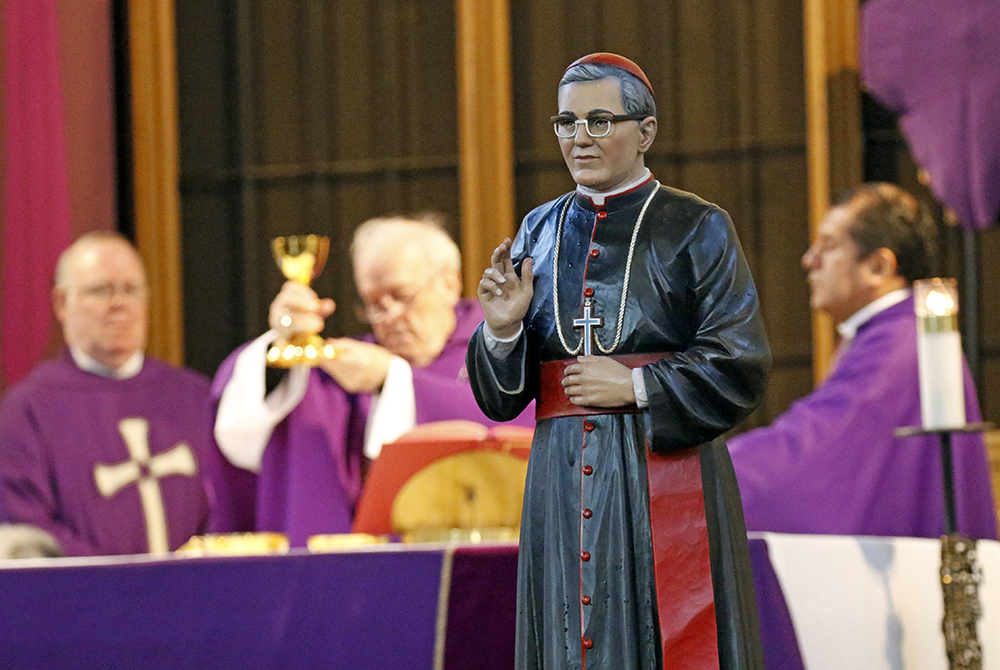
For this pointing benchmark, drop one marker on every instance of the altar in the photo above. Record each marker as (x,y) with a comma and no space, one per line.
(387,607)
(824,602)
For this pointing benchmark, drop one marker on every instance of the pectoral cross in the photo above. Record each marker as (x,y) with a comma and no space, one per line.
(145,471)
(588,322)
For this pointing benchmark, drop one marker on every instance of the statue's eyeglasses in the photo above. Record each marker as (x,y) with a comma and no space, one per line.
(598,125)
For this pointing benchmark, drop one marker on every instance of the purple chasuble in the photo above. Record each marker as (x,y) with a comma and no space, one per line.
(312,468)
(61,425)
(831,463)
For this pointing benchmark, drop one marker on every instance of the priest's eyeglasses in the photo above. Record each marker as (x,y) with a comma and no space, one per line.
(598,125)
(106,292)
(391,306)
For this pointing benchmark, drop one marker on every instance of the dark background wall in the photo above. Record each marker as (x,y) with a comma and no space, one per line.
(303,116)
(313,115)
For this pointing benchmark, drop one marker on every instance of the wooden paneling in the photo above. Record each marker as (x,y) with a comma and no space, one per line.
(486,163)
(989,325)
(833,114)
(155,156)
(305,116)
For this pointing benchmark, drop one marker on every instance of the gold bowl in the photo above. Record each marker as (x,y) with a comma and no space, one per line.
(235,544)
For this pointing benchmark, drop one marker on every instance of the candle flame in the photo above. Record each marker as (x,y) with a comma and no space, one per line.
(940,304)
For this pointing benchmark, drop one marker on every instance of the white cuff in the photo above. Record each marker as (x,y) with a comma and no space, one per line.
(393,410)
(639,387)
(500,347)
(246,418)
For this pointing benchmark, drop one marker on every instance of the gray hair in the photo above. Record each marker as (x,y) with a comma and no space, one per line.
(636,98)
(426,231)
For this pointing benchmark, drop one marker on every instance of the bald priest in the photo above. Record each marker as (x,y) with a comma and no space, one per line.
(104,449)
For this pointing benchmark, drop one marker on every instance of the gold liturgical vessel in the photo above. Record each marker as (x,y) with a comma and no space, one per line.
(301,258)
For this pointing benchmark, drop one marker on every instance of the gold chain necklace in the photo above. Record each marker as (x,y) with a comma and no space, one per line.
(628,272)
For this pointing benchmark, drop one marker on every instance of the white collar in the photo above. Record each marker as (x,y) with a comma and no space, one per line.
(849,328)
(598,196)
(127,370)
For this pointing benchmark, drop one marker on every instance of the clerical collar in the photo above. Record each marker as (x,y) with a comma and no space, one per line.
(128,369)
(598,197)
(849,328)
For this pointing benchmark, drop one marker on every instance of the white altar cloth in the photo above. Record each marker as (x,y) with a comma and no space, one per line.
(876,603)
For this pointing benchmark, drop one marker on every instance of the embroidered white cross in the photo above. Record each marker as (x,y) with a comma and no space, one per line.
(145,471)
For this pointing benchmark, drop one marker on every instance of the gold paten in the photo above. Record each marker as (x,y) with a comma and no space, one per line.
(301,258)
(339,541)
(235,544)
(463,535)
(475,491)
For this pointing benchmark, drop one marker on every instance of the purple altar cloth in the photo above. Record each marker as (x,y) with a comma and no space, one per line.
(359,610)
(483,589)
(936,64)
(777,634)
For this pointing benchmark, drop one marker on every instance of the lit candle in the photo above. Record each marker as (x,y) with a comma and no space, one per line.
(939,354)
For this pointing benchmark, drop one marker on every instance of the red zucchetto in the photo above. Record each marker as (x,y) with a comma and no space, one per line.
(615,60)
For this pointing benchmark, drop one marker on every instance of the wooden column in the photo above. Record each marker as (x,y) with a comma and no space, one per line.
(155,154)
(833,125)
(485,133)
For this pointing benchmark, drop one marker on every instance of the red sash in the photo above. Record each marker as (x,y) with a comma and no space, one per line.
(684,594)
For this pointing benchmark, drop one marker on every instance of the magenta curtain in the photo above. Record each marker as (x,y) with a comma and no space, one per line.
(36,196)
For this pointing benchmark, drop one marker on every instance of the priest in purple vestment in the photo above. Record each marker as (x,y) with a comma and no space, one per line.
(105,449)
(304,445)
(831,463)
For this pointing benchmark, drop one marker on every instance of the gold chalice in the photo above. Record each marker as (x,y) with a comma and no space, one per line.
(301,258)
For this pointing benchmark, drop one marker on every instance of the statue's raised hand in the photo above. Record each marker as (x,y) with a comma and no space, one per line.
(505,296)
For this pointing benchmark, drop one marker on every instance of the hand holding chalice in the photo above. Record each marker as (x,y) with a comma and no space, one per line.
(301,258)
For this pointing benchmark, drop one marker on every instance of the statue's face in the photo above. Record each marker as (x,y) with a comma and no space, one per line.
(603,163)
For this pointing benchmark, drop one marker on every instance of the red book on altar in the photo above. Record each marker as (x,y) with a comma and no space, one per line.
(448,474)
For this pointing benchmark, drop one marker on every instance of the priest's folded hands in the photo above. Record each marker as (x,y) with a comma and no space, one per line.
(359,367)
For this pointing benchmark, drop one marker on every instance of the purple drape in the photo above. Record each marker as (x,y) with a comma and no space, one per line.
(936,63)
(36,198)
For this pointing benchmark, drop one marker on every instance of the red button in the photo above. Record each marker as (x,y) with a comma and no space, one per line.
(588,292)
(585,600)
(601,214)
(587,470)
(584,556)
(594,253)
(589,427)
(588,644)
(587,514)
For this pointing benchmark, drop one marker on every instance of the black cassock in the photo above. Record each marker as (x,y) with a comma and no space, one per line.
(591,590)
